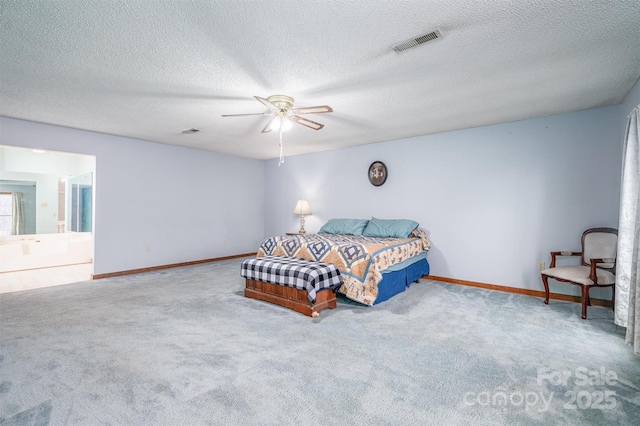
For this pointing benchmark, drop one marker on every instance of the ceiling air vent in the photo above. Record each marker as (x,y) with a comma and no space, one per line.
(424,38)
(190,131)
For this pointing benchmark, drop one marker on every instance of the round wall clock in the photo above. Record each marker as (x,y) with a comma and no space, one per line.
(377,173)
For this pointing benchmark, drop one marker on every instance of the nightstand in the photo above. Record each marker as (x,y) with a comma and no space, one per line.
(293,233)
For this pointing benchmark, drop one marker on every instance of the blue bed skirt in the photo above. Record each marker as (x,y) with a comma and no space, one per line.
(396,282)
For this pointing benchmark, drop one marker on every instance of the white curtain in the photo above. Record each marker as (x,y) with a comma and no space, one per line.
(17,213)
(627,312)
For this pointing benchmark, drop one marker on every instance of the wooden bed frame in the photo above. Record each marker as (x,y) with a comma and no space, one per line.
(290,297)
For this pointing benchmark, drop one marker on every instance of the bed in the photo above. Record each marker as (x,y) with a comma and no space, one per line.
(374,266)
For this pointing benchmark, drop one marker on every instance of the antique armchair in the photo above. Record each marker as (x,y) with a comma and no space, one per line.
(597,268)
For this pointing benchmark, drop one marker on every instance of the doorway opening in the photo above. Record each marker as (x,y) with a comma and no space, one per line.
(46,218)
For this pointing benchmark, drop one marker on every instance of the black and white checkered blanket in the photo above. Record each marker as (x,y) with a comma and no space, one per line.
(293,272)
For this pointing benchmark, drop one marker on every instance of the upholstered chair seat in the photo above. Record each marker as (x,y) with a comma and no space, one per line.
(580,274)
(596,269)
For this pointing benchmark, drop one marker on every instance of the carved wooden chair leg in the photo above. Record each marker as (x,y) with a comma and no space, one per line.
(546,289)
(588,300)
(585,297)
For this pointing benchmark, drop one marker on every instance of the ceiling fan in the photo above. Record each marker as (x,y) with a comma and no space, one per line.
(283,113)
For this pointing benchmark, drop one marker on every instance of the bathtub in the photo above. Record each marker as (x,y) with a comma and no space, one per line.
(20,252)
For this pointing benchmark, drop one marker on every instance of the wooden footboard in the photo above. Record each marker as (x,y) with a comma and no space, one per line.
(290,297)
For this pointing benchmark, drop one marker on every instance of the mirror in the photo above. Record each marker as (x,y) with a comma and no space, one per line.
(27,198)
(45,192)
(28,208)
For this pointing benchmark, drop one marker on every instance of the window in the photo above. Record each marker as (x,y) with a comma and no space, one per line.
(5,214)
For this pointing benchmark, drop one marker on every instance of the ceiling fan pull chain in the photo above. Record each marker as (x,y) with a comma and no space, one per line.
(281,154)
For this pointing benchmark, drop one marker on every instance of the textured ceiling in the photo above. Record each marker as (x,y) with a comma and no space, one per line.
(151,69)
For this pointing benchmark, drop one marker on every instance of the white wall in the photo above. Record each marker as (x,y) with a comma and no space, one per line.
(495,199)
(47,204)
(53,163)
(182,203)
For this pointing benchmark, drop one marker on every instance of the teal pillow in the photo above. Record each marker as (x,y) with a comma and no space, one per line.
(344,226)
(390,228)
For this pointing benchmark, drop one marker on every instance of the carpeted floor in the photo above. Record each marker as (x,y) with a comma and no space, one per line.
(184,347)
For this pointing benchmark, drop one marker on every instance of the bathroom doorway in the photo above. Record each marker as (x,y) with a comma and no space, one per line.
(46,218)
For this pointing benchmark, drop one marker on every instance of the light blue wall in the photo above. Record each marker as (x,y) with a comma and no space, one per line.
(184,204)
(494,200)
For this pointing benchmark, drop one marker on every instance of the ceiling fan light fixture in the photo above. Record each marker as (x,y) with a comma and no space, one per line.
(283,115)
(281,123)
(286,124)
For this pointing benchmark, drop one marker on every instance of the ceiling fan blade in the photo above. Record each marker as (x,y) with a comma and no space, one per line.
(240,115)
(312,110)
(310,124)
(267,103)
(267,128)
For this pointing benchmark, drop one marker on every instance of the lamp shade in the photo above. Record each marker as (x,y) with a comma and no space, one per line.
(302,208)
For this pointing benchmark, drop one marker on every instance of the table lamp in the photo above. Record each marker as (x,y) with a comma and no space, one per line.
(302,208)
